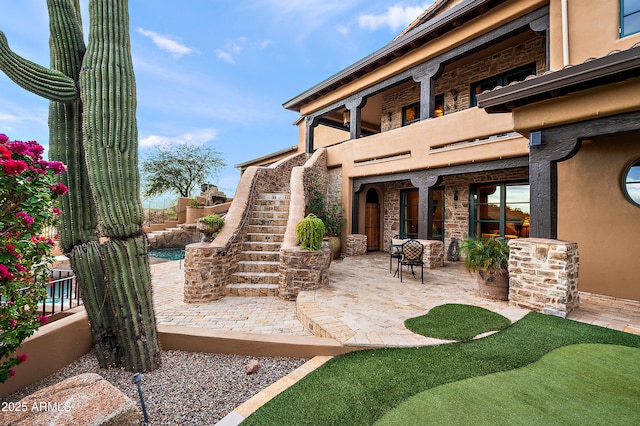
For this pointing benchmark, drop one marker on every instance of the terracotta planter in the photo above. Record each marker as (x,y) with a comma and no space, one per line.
(493,285)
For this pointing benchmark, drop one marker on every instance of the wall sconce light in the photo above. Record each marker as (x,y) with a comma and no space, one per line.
(455,195)
(389,116)
(346,118)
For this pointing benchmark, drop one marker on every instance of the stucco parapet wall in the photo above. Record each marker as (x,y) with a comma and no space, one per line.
(543,275)
(464,137)
(315,165)
(208,266)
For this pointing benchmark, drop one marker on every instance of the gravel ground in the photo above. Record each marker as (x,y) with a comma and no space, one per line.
(189,388)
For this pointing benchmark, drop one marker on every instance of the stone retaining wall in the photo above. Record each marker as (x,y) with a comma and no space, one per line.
(175,238)
(302,270)
(543,275)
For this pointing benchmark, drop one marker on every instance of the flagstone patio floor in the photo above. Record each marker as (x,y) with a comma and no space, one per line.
(364,304)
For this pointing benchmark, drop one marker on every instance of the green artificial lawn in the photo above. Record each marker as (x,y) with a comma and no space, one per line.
(457,322)
(360,387)
(585,384)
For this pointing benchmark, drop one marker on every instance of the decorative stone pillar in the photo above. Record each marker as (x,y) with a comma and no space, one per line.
(543,275)
(433,255)
(206,271)
(356,245)
(302,270)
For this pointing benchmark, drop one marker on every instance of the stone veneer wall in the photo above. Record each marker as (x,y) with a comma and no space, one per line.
(208,266)
(175,238)
(543,275)
(461,78)
(302,270)
(391,212)
(456,215)
(356,245)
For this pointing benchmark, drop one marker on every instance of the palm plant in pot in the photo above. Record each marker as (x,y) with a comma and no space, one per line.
(489,259)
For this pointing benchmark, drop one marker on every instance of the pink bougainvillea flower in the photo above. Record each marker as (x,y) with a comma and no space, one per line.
(20,268)
(3,138)
(4,273)
(12,372)
(22,358)
(57,167)
(42,319)
(12,322)
(14,167)
(26,219)
(56,211)
(19,147)
(59,189)
(5,153)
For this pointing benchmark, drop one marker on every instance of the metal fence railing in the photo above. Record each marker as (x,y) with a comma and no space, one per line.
(63,293)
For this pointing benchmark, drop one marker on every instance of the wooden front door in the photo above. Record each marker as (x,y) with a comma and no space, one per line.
(372,221)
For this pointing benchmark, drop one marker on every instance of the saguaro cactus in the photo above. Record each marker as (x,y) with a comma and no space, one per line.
(92,121)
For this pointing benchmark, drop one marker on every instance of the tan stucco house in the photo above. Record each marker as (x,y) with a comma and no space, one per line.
(511,118)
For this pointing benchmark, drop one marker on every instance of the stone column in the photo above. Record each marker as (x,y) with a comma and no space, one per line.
(543,275)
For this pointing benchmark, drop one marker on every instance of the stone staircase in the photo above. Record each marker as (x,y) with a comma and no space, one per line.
(257,273)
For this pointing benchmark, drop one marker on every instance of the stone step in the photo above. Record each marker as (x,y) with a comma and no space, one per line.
(267,238)
(266,229)
(251,290)
(271,214)
(255,278)
(273,196)
(265,221)
(260,256)
(258,266)
(261,246)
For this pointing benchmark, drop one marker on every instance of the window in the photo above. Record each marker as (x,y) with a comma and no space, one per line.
(411,114)
(503,79)
(437,214)
(631,183)
(409,199)
(629,17)
(500,210)
(438,109)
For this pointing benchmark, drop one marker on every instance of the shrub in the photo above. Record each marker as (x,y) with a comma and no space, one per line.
(28,194)
(491,254)
(213,220)
(310,232)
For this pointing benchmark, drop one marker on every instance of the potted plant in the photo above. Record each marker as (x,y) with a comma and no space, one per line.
(209,225)
(310,232)
(334,222)
(489,258)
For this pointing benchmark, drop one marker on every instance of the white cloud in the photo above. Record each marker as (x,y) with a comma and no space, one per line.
(266,43)
(165,43)
(199,137)
(225,56)
(396,17)
(342,29)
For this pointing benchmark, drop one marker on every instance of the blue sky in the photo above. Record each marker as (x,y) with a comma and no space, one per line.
(215,72)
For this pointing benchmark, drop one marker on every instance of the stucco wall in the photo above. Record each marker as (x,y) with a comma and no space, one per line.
(593,212)
(593,30)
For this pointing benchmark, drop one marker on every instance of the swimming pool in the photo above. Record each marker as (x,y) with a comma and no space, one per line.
(172,253)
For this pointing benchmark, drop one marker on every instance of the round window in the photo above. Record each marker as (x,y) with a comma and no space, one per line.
(631,183)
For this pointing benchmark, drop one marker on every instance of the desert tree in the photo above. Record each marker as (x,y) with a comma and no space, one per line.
(178,168)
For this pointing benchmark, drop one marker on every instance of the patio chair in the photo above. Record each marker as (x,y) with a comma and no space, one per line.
(412,256)
(395,252)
